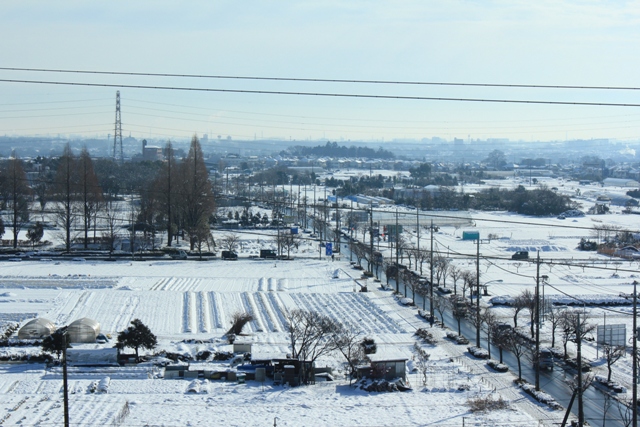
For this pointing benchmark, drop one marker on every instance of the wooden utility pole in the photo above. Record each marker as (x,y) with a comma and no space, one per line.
(579,359)
(431,281)
(537,322)
(478,294)
(634,346)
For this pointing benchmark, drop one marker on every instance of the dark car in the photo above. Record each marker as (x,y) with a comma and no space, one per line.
(268,254)
(520,255)
(229,255)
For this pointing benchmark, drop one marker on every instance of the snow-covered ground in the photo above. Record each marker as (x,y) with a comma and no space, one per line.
(194,300)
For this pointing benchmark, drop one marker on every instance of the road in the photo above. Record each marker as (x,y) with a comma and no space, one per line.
(554,383)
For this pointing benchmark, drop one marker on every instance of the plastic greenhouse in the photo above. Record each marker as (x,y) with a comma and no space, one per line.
(83,330)
(36,328)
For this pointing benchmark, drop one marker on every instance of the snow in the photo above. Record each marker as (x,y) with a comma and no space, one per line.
(188,305)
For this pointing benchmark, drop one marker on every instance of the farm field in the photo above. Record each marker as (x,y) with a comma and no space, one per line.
(189,304)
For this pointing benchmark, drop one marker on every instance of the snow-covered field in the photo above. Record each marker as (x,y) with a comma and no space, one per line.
(189,300)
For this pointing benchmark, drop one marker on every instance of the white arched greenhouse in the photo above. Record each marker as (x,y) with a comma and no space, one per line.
(36,328)
(83,330)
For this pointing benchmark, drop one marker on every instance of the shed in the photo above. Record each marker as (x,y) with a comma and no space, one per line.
(384,367)
(36,328)
(470,235)
(83,330)
(241,347)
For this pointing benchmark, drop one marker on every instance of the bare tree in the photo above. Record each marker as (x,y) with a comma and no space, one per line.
(422,361)
(90,192)
(517,345)
(289,241)
(441,271)
(360,251)
(456,274)
(349,343)
(527,300)
(65,190)
(520,302)
(612,354)
(112,218)
(572,322)
(490,321)
(500,338)
(311,335)
(15,180)
(469,281)
(554,317)
(441,304)
(230,242)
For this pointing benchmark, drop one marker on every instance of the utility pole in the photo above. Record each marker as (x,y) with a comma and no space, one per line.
(397,261)
(431,281)
(579,359)
(370,264)
(478,294)
(537,322)
(634,405)
(65,384)
(351,233)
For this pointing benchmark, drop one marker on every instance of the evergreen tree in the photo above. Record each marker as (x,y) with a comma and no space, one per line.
(137,336)
(55,343)
(35,233)
(197,203)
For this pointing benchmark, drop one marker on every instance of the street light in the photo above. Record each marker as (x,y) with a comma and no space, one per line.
(478,309)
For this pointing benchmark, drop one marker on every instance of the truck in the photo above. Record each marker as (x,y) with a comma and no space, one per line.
(268,254)
(545,359)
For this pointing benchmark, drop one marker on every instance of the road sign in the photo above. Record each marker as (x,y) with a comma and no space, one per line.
(328,249)
(613,335)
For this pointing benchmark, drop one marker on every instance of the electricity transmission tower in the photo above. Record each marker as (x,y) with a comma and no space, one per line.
(117,137)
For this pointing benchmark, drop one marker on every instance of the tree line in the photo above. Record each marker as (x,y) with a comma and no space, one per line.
(82,196)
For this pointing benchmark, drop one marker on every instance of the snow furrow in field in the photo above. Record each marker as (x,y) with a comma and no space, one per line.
(216,308)
(283,285)
(251,307)
(205,315)
(187,315)
(279,308)
(265,309)
(368,311)
(74,314)
(122,318)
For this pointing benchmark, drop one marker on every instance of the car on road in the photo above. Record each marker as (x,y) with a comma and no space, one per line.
(545,359)
(230,255)
(520,255)
(180,254)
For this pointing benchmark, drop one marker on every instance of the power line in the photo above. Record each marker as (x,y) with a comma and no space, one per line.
(325,94)
(319,80)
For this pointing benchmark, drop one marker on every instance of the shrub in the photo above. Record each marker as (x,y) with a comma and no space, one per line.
(487,403)
(238,321)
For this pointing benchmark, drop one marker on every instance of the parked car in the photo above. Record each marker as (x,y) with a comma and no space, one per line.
(520,255)
(180,254)
(230,255)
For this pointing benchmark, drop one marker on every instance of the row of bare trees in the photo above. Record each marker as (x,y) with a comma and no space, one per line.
(179,198)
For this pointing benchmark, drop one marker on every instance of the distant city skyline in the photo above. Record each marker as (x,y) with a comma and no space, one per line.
(577,43)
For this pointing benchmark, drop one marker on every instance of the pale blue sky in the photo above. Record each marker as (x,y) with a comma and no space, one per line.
(533,42)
